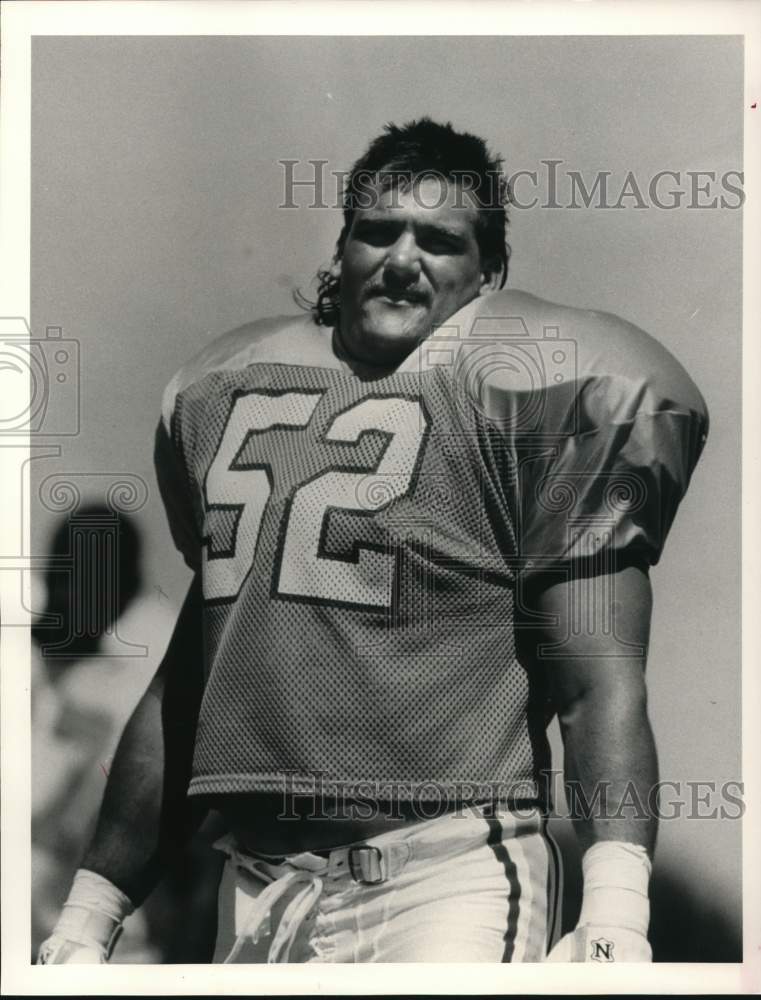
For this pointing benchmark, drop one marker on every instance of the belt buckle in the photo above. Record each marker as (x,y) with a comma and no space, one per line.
(366,864)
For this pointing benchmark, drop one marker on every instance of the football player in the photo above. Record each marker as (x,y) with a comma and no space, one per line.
(421,520)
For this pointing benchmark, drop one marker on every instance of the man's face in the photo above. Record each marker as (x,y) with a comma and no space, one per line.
(410,261)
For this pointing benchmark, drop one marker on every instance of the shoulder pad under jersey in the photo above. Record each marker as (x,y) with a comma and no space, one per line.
(281,339)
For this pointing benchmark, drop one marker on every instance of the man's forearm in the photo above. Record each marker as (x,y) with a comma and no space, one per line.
(611,767)
(146,813)
(135,823)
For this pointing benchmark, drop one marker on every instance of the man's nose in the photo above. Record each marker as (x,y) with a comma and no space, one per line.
(403,259)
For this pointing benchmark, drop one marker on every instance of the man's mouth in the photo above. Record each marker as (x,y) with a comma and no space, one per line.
(399,298)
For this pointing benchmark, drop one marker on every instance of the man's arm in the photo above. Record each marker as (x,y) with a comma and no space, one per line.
(146,813)
(599,630)
(598,688)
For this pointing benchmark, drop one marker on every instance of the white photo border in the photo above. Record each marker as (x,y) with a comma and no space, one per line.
(21,21)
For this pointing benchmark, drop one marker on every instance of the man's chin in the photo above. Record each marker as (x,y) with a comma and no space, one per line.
(394,341)
(405,323)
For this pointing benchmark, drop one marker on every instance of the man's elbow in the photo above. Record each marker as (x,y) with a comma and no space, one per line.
(619,697)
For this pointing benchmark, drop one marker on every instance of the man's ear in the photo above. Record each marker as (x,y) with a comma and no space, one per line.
(491,275)
(335,264)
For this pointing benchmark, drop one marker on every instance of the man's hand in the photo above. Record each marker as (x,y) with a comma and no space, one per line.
(615,911)
(89,925)
(58,951)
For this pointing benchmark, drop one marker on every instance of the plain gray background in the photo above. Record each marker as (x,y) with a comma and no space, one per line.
(155,226)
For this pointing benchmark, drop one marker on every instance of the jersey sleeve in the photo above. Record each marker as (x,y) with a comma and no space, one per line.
(606,495)
(603,443)
(175,493)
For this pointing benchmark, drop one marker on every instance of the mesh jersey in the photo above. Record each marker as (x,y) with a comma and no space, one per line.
(361,538)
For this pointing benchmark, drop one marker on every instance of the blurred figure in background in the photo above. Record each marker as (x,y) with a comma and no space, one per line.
(86,679)
(84,683)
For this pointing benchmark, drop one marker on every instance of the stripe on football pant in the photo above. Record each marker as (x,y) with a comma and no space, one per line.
(554,889)
(533,872)
(514,892)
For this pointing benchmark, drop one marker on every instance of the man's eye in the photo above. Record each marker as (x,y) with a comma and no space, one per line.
(376,235)
(438,244)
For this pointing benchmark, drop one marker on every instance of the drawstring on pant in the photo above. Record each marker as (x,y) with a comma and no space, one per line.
(295,913)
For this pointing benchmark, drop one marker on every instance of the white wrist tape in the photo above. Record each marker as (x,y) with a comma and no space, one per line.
(616,879)
(93,913)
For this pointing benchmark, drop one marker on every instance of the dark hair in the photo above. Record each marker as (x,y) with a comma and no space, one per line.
(400,155)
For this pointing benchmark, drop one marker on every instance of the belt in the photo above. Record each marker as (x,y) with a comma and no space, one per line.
(366,864)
